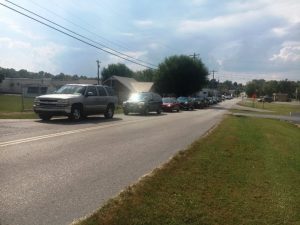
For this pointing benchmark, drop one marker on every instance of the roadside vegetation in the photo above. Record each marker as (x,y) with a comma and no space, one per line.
(245,172)
(276,108)
(11,107)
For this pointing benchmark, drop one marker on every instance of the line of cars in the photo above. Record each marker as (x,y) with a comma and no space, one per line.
(78,101)
(145,102)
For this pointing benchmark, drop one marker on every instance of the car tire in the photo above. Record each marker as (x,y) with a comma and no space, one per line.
(158,111)
(109,113)
(76,113)
(45,117)
(146,111)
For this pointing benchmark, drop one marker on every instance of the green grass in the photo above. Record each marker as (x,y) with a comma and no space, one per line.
(247,171)
(276,108)
(11,107)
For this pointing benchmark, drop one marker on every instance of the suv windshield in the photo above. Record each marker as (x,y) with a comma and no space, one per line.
(135,97)
(71,89)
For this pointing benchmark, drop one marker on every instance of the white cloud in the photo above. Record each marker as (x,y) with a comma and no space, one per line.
(220,22)
(198,2)
(6,42)
(144,23)
(10,24)
(288,9)
(25,55)
(290,52)
(279,31)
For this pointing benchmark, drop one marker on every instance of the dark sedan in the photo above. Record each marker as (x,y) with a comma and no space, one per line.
(170,105)
(185,103)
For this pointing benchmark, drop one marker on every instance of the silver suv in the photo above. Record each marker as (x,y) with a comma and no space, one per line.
(76,101)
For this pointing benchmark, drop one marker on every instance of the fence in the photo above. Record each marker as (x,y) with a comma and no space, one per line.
(29,92)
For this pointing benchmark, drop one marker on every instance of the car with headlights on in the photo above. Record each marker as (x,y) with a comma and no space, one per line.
(143,103)
(170,104)
(76,101)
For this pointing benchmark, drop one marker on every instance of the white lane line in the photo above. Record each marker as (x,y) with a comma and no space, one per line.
(25,140)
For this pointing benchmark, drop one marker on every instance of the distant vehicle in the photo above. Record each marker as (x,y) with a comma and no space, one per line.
(143,102)
(170,105)
(210,101)
(199,103)
(76,101)
(185,103)
(265,99)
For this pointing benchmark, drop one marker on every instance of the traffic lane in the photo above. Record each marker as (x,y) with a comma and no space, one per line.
(55,180)
(19,129)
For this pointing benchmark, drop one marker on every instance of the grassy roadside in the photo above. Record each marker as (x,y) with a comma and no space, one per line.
(245,172)
(276,108)
(11,107)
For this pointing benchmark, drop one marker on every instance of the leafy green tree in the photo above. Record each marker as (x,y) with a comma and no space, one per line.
(255,87)
(116,69)
(270,87)
(251,88)
(145,75)
(212,84)
(180,75)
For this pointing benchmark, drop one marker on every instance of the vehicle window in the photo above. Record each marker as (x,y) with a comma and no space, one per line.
(110,91)
(101,91)
(71,89)
(168,100)
(156,97)
(93,90)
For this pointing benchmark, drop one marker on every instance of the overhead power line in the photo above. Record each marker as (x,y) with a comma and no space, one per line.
(116,43)
(117,54)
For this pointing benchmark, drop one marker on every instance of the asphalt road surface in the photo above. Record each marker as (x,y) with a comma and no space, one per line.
(59,171)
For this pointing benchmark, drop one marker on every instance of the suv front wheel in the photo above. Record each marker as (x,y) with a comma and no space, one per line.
(76,113)
(109,113)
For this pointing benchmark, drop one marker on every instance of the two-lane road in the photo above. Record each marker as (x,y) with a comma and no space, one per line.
(53,173)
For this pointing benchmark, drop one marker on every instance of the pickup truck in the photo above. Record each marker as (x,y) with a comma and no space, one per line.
(77,101)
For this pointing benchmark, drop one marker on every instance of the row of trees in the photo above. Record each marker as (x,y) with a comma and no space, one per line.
(178,75)
(263,87)
(12,73)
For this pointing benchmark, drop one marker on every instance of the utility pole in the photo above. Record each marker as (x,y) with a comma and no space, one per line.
(213,72)
(194,56)
(98,65)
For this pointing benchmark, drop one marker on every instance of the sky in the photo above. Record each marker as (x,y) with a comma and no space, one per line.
(240,40)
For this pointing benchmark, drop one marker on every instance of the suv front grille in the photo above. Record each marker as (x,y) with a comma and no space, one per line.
(49,103)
